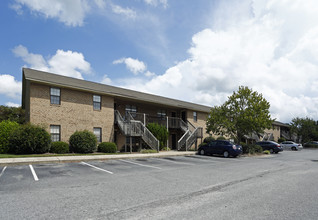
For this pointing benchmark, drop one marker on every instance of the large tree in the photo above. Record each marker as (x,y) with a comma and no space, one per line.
(245,112)
(306,129)
(16,114)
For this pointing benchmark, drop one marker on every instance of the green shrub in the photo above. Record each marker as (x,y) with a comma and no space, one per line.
(160,132)
(266,152)
(165,149)
(59,147)
(251,148)
(202,144)
(83,142)
(29,139)
(221,138)
(208,139)
(6,127)
(280,140)
(107,147)
(147,151)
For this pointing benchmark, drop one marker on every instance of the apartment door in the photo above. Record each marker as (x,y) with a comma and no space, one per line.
(173,141)
(184,116)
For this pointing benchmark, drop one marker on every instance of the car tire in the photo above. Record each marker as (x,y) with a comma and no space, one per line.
(271,151)
(226,154)
(294,149)
(201,152)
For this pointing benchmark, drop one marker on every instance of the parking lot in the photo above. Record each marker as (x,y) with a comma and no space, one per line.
(164,188)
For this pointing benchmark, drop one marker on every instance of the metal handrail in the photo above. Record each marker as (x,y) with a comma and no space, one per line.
(191,139)
(137,128)
(183,140)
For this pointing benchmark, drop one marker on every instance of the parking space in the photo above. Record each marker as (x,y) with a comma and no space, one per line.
(22,175)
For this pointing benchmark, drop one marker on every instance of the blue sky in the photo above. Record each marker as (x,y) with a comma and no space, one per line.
(198,51)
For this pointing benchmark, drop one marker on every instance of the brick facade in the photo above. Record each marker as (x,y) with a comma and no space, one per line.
(75,113)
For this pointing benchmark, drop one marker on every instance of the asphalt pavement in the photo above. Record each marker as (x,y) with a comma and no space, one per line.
(279,186)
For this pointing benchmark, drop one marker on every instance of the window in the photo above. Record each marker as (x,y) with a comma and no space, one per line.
(55,131)
(55,96)
(195,117)
(161,113)
(132,109)
(97,102)
(98,134)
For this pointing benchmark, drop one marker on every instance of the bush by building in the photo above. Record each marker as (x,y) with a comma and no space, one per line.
(221,138)
(251,148)
(29,139)
(160,132)
(83,142)
(107,147)
(208,139)
(281,139)
(6,128)
(59,147)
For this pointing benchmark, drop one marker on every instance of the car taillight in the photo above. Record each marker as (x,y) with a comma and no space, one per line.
(234,147)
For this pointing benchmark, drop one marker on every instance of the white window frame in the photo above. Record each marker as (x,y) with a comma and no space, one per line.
(98,133)
(97,102)
(55,131)
(55,94)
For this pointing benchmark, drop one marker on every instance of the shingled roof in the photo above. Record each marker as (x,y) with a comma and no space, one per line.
(98,88)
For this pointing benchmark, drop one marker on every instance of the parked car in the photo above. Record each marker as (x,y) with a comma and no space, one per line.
(290,145)
(220,147)
(311,144)
(271,146)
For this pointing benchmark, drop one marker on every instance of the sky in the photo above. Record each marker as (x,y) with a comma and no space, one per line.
(197,51)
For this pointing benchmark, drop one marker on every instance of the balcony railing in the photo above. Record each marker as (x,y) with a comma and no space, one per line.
(137,127)
(131,127)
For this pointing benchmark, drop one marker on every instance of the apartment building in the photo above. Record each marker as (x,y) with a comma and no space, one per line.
(64,105)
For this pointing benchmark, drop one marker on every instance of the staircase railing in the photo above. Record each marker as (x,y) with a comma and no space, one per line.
(193,137)
(132,127)
(190,136)
(268,137)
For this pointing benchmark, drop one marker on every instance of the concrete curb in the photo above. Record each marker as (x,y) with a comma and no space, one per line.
(70,159)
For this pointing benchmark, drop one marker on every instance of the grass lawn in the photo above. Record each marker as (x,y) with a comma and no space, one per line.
(52,155)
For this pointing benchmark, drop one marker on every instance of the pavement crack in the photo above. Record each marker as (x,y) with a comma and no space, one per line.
(179,199)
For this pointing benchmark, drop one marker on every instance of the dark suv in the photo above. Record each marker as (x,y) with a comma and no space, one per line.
(271,146)
(220,147)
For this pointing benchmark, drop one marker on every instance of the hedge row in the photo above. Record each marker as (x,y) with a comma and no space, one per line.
(33,139)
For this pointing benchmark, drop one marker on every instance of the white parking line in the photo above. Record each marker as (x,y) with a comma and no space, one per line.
(33,173)
(97,168)
(171,161)
(4,168)
(140,164)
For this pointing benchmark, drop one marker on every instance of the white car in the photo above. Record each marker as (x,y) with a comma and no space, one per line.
(291,145)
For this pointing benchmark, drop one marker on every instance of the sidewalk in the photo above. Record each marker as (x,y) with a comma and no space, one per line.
(67,159)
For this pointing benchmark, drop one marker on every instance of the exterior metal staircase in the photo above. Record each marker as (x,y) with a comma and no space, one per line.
(133,125)
(268,137)
(134,128)
(189,137)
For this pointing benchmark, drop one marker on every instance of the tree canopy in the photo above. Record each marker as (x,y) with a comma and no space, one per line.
(245,112)
(12,113)
(306,129)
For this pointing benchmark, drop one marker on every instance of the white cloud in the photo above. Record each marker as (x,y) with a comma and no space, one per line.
(35,60)
(150,74)
(155,3)
(10,87)
(127,12)
(70,12)
(270,46)
(106,80)
(11,104)
(134,65)
(67,63)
